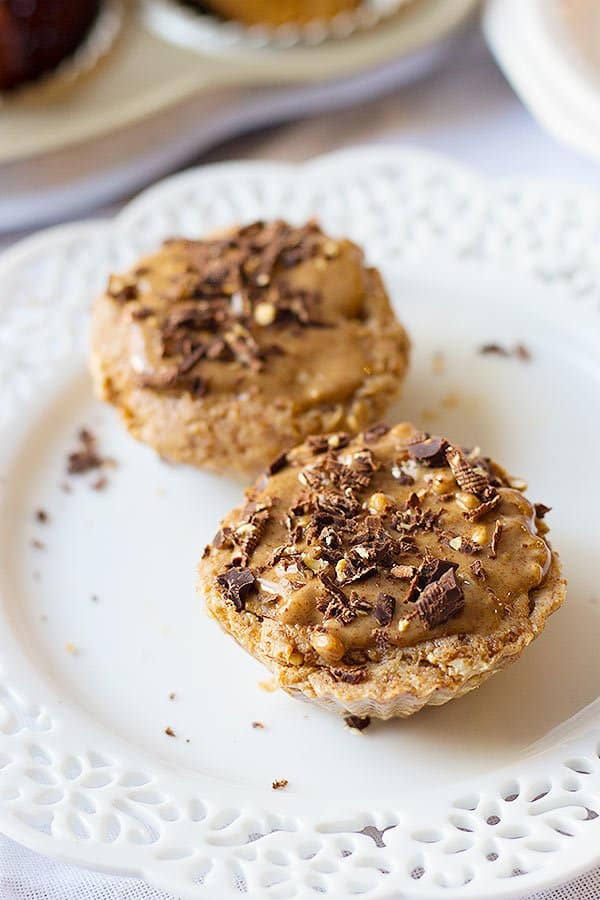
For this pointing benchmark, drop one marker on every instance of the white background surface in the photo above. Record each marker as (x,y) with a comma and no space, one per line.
(466,111)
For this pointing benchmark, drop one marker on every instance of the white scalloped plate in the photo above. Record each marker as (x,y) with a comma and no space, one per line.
(493,796)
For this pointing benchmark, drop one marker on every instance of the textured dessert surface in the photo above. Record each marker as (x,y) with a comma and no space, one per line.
(278,12)
(222,352)
(383,572)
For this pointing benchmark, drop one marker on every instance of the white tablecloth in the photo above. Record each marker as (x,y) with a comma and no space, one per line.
(467,111)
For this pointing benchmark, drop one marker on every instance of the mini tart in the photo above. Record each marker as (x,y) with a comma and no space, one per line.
(223,352)
(36,37)
(379,574)
(278,12)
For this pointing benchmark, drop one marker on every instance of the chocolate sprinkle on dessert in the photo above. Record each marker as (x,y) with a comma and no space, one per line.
(478,570)
(440,600)
(428,450)
(237,583)
(357,723)
(350,676)
(498,527)
(372,434)
(383,611)
(374,596)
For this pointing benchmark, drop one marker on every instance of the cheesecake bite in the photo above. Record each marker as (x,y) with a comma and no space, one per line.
(384,572)
(223,352)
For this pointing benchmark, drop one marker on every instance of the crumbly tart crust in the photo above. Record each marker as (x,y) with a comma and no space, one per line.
(223,352)
(379,574)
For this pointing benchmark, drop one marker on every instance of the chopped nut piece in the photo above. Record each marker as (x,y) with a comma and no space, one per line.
(327,645)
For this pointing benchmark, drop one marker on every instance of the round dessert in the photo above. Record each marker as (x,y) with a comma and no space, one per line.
(277,12)
(35,36)
(378,574)
(223,352)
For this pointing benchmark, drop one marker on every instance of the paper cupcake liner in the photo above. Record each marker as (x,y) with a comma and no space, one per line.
(206,33)
(96,44)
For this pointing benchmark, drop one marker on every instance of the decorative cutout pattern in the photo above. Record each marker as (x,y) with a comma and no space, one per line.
(61,788)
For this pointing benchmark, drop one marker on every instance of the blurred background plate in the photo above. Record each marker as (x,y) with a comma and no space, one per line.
(150,105)
(550,52)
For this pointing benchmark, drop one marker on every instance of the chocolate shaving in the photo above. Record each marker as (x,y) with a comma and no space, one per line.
(541,510)
(468,478)
(498,527)
(440,600)
(86,457)
(473,515)
(429,451)
(279,783)
(237,583)
(357,723)
(336,605)
(383,611)
(458,542)
(375,432)
(478,570)
(350,676)
(279,463)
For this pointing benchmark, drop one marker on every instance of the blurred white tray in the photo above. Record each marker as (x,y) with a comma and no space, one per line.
(550,52)
(150,105)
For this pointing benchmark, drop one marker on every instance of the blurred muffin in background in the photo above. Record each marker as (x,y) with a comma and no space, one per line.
(276,12)
(36,35)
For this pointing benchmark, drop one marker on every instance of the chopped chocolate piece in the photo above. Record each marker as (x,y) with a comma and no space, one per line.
(279,783)
(375,432)
(42,516)
(416,519)
(169,731)
(357,723)
(541,510)
(258,725)
(429,451)
(473,515)
(440,600)
(432,569)
(468,478)
(350,676)
(478,570)
(493,350)
(522,352)
(279,463)
(339,606)
(237,584)
(86,457)
(495,539)
(383,611)
(318,443)
(458,542)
